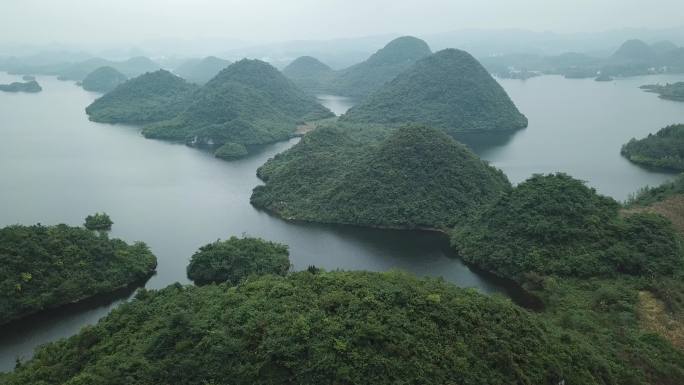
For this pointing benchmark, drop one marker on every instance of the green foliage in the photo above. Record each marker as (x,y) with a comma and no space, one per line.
(230,151)
(670,91)
(103,79)
(362,79)
(411,178)
(665,149)
(448,90)
(30,86)
(201,71)
(555,225)
(44,267)
(151,97)
(249,102)
(98,221)
(337,327)
(236,259)
(606,312)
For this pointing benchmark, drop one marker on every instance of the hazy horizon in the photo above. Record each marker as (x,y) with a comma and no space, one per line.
(245,23)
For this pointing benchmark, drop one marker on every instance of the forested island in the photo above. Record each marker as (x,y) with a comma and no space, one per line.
(103,79)
(670,91)
(362,79)
(448,90)
(664,150)
(152,97)
(248,103)
(45,267)
(31,86)
(413,177)
(236,259)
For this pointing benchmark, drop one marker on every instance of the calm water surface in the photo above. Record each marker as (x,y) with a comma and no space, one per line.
(578,127)
(56,166)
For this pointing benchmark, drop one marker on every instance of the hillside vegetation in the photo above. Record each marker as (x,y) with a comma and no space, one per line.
(555,225)
(409,178)
(103,79)
(249,102)
(151,97)
(44,267)
(236,259)
(665,149)
(318,327)
(448,90)
(594,268)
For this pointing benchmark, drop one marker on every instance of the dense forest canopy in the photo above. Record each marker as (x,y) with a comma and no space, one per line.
(448,90)
(318,327)
(555,225)
(411,178)
(103,79)
(250,102)
(200,71)
(235,259)
(151,97)
(665,149)
(43,267)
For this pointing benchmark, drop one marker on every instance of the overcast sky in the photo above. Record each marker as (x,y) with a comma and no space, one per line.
(130,21)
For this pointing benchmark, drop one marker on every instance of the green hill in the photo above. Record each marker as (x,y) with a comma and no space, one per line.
(606,275)
(30,87)
(362,79)
(664,46)
(448,90)
(555,225)
(250,102)
(200,71)
(635,50)
(309,74)
(103,79)
(45,267)
(665,149)
(416,177)
(317,328)
(151,97)
(237,259)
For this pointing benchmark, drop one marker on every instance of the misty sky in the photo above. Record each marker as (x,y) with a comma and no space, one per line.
(118,21)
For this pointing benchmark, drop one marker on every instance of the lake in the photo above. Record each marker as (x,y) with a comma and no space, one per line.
(58,167)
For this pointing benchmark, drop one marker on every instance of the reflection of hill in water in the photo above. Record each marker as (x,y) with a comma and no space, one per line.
(482,142)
